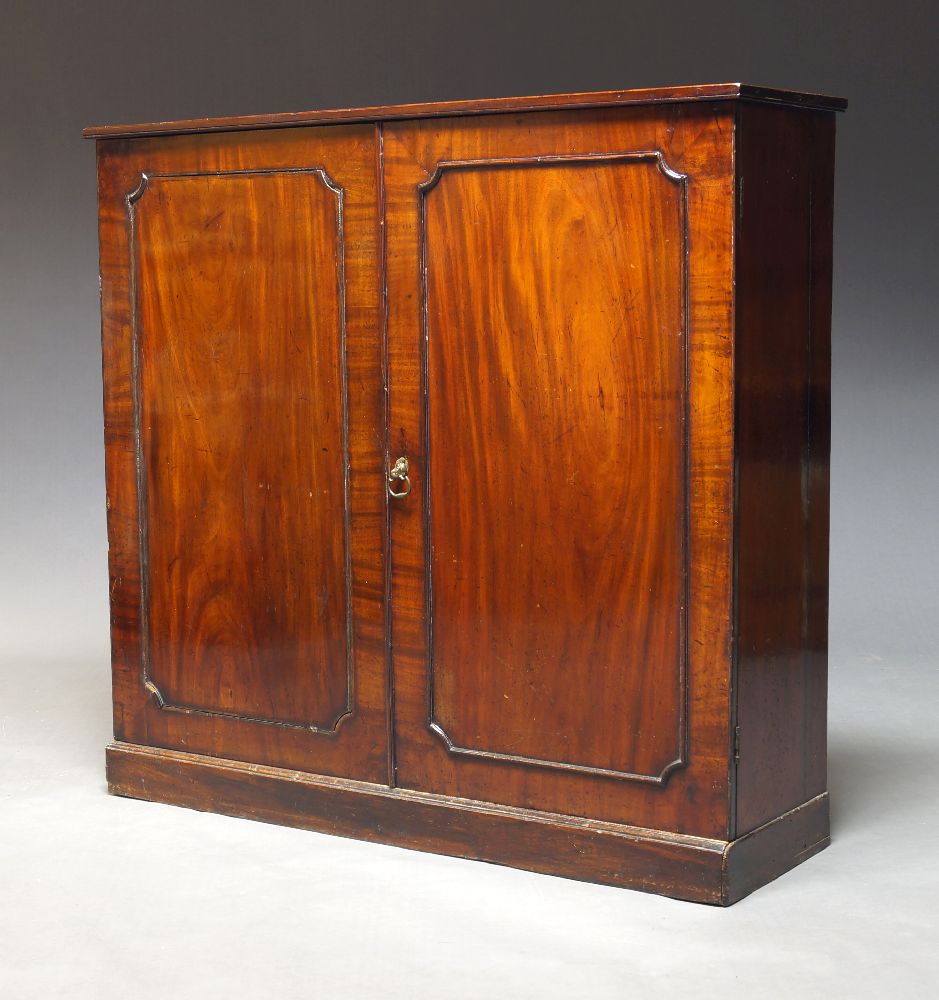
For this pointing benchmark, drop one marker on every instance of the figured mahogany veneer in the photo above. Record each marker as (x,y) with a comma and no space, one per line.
(589,638)
(560,451)
(265,365)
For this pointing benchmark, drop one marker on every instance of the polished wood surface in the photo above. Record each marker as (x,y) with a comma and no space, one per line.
(698,869)
(240,300)
(555,289)
(491,105)
(555,414)
(785,163)
(241,384)
(590,635)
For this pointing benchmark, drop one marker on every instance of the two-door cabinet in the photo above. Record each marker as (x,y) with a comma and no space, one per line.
(467,476)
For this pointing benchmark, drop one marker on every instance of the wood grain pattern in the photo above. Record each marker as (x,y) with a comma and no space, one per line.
(783,357)
(240,388)
(491,105)
(555,494)
(694,140)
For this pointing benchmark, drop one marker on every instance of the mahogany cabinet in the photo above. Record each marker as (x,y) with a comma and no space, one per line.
(467,476)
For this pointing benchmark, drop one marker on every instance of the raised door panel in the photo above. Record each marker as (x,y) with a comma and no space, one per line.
(555,485)
(543,292)
(252,414)
(241,382)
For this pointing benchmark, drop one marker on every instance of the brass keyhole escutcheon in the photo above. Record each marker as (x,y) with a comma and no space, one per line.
(399,474)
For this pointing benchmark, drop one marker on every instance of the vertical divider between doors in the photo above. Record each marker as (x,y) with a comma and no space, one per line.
(386,610)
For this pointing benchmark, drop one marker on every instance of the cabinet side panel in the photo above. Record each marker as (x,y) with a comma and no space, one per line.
(783,361)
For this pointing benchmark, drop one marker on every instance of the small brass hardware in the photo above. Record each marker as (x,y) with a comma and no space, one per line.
(399,473)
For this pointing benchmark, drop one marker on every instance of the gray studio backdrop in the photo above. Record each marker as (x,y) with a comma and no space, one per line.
(66,65)
(98,893)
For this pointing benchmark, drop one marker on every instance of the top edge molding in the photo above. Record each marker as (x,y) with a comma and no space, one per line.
(495,105)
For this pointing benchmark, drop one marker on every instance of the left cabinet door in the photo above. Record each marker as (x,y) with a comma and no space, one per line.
(244,424)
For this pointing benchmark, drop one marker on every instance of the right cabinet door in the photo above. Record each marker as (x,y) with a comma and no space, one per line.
(558,336)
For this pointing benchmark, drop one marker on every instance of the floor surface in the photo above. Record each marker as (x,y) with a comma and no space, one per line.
(107,897)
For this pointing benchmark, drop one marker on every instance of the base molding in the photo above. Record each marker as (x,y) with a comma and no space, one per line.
(684,867)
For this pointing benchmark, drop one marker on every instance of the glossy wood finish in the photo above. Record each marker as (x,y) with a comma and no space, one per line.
(490,105)
(555,490)
(240,336)
(591,641)
(240,300)
(785,163)
(698,869)
(507,417)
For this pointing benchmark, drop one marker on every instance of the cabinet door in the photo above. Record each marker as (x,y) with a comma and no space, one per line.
(244,415)
(559,345)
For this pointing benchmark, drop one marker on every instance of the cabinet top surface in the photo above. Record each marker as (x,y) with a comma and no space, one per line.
(495,105)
